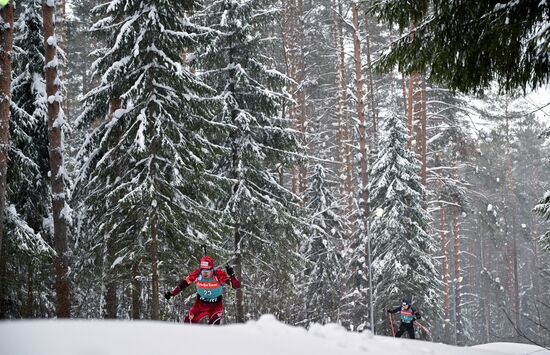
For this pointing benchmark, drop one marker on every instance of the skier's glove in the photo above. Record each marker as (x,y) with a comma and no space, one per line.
(418,316)
(230,271)
(168,295)
(389,310)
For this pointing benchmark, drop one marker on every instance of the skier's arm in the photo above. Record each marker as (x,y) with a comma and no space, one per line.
(228,278)
(395,310)
(185,282)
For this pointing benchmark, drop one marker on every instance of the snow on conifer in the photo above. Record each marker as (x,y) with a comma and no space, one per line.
(403,262)
(28,183)
(323,250)
(142,180)
(256,141)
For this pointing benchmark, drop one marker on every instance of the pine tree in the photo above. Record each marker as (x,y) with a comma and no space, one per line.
(143,173)
(256,142)
(323,251)
(468,44)
(403,251)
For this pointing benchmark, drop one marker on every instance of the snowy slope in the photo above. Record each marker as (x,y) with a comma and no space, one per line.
(266,336)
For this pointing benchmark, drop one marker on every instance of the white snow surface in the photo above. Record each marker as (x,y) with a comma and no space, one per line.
(267,336)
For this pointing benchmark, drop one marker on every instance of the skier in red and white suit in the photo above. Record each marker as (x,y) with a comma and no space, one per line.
(209,282)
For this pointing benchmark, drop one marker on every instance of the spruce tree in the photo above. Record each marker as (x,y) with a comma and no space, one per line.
(28,191)
(403,251)
(143,175)
(28,182)
(324,248)
(469,44)
(256,141)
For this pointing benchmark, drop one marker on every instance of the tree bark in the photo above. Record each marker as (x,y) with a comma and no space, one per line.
(445,272)
(301,80)
(346,171)
(363,148)
(239,268)
(55,136)
(155,309)
(136,306)
(457,270)
(511,208)
(372,100)
(6,46)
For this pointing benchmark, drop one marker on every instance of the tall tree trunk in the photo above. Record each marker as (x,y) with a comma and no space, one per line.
(339,115)
(6,46)
(371,96)
(363,150)
(410,118)
(511,214)
(111,294)
(347,167)
(28,313)
(55,126)
(155,310)
(239,268)
(457,270)
(445,272)
(421,138)
(136,306)
(301,80)
(111,304)
(289,36)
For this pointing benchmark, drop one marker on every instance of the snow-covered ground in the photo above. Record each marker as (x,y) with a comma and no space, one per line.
(266,336)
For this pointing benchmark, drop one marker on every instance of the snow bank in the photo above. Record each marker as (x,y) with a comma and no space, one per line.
(266,336)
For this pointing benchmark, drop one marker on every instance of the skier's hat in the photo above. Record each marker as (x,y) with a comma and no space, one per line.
(406,302)
(207,263)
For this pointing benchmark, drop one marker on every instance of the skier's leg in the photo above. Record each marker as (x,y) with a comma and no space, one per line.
(196,313)
(215,314)
(410,330)
(400,331)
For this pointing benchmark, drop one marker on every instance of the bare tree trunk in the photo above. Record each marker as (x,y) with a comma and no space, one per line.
(421,138)
(410,119)
(111,304)
(445,272)
(363,150)
(6,46)
(155,310)
(289,37)
(301,79)
(405,99)
(55,125)
(239,269)
(457,270)
(136,306)
(28,313)
(347,169)
(372,101)
(511,208)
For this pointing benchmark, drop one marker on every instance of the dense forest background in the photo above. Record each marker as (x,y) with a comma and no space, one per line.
(270,132)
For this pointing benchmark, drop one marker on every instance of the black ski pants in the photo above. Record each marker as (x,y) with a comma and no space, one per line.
(409,327)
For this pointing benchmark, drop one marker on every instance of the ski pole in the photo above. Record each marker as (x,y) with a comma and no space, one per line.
(391,323)
(423,327)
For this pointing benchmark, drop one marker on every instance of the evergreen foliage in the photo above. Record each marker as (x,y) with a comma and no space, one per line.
(403,251)
(324,248)
(543,209)
(27,226)
(466,45)
(143,163)
(256,142)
